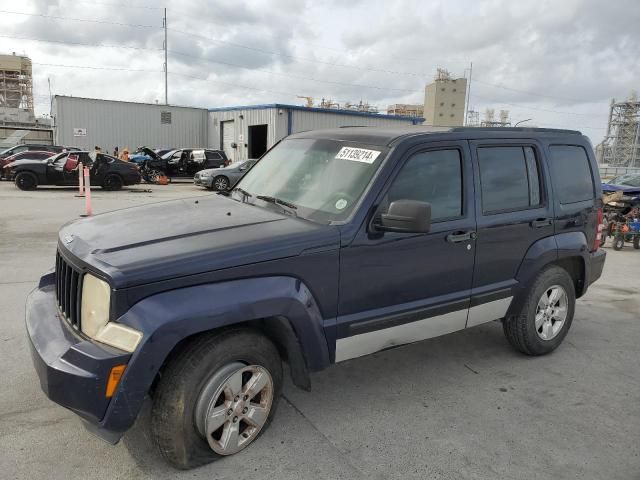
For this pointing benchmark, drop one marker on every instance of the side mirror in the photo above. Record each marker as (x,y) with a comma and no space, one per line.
(406,216)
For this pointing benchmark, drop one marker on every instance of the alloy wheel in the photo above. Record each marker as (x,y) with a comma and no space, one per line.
(233,416)
(220,183)
(551,312)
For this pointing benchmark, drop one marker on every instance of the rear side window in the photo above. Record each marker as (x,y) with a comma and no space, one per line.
(434,177)
(213,155)
(571,173)
(509,178)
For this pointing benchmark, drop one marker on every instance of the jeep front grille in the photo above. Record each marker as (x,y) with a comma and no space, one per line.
(68,286)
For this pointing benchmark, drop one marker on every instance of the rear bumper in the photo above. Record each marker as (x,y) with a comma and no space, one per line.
(596,264)
(72,371)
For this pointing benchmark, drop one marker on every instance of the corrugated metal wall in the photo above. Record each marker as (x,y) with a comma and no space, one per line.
(109,124)
(242,119)
(303,121)
(277,120)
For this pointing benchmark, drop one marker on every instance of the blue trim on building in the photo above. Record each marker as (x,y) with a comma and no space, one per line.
(289,122)
(414,120)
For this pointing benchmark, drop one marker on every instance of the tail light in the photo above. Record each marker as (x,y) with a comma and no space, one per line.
(599,229)
(227,163)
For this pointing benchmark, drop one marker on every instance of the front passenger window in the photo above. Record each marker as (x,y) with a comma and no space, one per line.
(434,177)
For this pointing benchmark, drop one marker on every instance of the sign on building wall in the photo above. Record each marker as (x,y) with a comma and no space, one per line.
(79,132)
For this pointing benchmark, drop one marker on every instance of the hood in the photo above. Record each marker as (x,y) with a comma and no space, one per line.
(184,237)
(608,187)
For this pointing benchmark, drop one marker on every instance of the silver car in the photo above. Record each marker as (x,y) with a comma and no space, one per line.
(221,179)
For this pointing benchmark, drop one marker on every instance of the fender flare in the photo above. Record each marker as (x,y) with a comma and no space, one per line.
(168,318)
(543,252)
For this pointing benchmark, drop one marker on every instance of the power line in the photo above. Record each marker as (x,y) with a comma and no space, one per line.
(87,20)
(293,57)
(79,44)
(314,61)
(531,108)
(532,93)
(201,59)
(93,67)
(122,5)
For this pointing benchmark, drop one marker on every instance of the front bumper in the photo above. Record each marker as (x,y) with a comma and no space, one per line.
(73,371)
(202,182)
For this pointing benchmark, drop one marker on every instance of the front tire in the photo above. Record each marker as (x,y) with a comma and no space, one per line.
(26,181)
(216,397)
(546,315)
(636,242)
(220,183)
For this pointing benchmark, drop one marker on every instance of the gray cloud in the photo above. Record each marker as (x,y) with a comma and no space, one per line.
(574,54)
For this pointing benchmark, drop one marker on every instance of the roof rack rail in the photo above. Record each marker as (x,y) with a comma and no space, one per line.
(516,129)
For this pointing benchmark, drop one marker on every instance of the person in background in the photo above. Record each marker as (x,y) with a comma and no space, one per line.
(115,152)
(97,149)
(124,156)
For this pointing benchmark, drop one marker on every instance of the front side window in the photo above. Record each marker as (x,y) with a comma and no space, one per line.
(571,173)
(434,177)
(509,178)
(322,178)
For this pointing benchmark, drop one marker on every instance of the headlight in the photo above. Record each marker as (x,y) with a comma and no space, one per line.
(96,299)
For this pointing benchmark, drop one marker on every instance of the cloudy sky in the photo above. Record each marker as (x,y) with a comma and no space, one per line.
(557,62)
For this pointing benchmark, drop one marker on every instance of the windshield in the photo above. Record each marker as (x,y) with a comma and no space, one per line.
(322,179)
(630,181)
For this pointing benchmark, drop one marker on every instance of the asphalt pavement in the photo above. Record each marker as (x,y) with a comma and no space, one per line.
(462,406)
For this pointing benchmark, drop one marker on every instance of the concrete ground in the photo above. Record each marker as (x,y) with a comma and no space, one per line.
(462,406)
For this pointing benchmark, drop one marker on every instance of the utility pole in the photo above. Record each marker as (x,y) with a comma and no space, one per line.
(467,106)
(166,85)
(50,98)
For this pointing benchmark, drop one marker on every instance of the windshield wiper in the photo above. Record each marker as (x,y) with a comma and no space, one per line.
(290,207)
(243,192)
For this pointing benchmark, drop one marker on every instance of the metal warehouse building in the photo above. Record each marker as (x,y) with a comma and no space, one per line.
(87,122)
(247,132)
(242,132)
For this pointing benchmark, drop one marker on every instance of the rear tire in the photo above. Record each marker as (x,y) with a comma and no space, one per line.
(636,241)
(189,389)
(524,331)
(112,182)
(26,181)
(618,242)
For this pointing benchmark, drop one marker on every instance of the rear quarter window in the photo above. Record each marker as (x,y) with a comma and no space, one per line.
(571,173)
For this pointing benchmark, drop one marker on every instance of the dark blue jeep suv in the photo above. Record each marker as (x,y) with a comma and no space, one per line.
(336,244)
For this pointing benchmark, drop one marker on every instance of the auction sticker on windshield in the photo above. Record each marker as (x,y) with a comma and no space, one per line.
(357,154)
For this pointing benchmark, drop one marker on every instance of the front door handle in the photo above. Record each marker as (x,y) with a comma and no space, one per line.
(541,222)
(461,237)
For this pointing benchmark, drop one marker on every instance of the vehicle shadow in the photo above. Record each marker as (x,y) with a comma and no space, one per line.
(429,364)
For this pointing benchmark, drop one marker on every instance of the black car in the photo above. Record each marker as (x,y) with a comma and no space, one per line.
(224,178)
(33,147)
(62,169)
(336,244)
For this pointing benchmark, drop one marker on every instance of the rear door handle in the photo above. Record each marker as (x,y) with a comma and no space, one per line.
(460,237)
(541,222)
